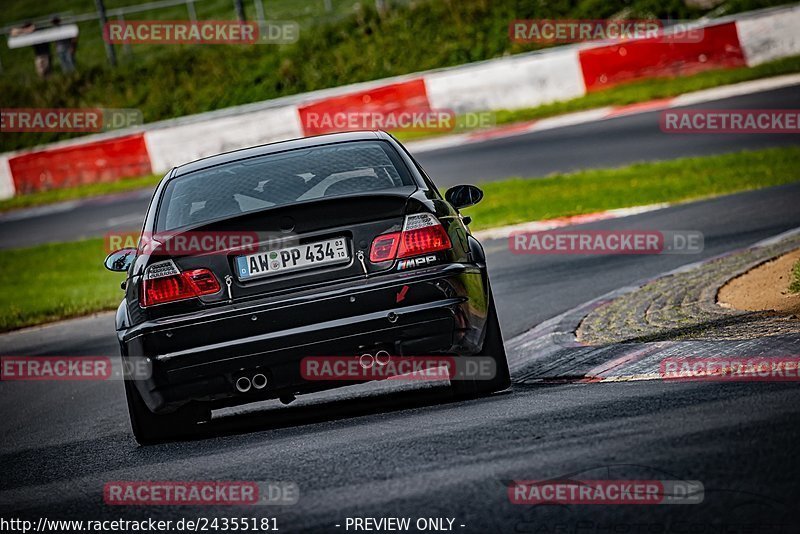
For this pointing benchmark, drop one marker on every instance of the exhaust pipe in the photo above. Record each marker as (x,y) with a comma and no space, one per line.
(366,361)
(382,357)
(259,381)
(243,384)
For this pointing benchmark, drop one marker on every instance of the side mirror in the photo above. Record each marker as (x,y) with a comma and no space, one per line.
(120,260)
(461,196)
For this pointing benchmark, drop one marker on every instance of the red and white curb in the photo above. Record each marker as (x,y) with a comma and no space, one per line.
(547,341)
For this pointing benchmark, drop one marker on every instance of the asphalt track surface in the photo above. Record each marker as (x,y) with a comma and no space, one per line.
(608,143)
(363,452)
(375,452)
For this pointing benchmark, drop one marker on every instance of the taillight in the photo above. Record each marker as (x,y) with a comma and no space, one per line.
(164,283)
(384,247)
(422,234)
(204,280)
(423,241)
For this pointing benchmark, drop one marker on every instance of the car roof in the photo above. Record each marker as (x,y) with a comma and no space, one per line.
(280,146)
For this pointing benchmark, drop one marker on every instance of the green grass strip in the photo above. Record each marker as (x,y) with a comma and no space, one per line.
(55,281)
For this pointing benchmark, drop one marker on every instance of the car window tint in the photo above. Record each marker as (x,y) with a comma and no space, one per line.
(279,179)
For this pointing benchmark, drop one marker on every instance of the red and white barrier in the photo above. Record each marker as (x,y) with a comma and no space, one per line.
(769,37)
(66,166)
(525,80)
(172,146)
(384,99)
(606,66)
(6,179)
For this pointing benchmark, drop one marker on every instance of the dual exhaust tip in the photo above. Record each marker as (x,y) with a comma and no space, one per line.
(258,382)
(367,360)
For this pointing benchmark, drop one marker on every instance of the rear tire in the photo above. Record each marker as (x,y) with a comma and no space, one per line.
(150,428)
(492,347)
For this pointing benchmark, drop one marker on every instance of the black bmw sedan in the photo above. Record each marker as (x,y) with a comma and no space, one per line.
(252,262)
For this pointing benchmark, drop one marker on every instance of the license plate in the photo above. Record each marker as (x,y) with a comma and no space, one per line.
(293,258)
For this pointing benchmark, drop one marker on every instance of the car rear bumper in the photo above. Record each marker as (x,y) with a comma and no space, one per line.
(438,310)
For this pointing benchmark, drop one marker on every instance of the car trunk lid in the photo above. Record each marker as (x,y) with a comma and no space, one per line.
(281,249)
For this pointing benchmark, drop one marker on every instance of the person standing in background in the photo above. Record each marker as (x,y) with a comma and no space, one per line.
(65,50)
(42,56)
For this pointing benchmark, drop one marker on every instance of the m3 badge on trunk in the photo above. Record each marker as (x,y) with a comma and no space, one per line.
(402,265)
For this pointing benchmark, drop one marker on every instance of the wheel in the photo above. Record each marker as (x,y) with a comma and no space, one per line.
(493,347)
(149,428)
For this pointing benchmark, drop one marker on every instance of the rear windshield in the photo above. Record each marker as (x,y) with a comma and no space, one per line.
(279,179)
